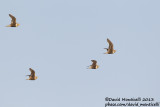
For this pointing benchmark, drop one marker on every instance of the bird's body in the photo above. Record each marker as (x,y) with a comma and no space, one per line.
(94,65)
(32,76)
(110,49)
(13,22)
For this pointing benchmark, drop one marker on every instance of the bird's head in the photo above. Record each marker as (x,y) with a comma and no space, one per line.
(17,24)
(36,77)
(97,66)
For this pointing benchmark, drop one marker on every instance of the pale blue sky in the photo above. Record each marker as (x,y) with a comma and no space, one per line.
(59,38)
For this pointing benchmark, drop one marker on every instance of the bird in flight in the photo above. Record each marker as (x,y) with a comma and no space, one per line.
(110,49)
(94,65)
(32,76)
(13,22)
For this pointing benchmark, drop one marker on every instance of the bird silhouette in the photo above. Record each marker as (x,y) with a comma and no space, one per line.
(13,22)
(32,75)
(94,65)
(110,49)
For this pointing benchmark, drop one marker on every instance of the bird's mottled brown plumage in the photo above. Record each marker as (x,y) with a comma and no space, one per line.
(13,22)
(94,65)
(32,76)
(110,49)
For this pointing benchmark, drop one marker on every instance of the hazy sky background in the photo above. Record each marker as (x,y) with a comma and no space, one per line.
(58,38)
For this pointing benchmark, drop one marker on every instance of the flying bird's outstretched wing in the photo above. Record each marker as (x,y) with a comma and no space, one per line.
(94,62)
(13,21)
(110,48)
(32,72)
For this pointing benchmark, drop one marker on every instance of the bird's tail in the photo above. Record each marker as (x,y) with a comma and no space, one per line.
(8,26)
(106,49)
(88,67)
